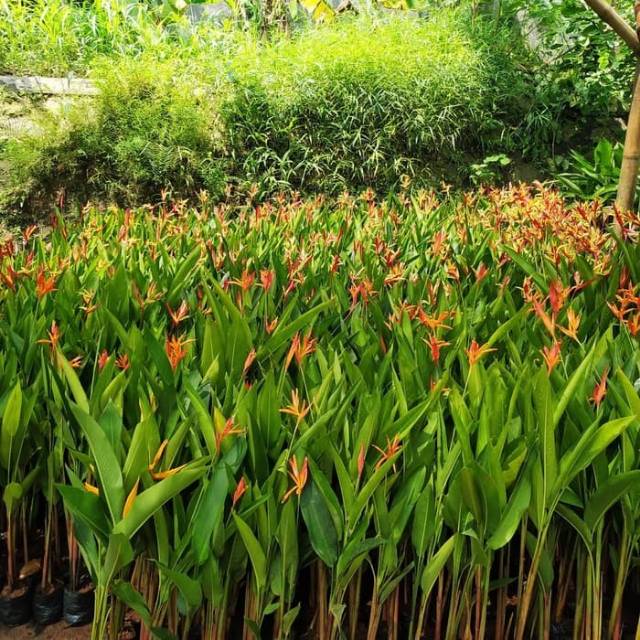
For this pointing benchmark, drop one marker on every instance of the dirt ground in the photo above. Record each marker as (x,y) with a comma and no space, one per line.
(58,631)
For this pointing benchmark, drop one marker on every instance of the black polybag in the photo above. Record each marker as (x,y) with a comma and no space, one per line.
(78,607)
(47,607)
(16,610)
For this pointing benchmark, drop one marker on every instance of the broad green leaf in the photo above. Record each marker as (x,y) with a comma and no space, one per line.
(255,551)
(106,462)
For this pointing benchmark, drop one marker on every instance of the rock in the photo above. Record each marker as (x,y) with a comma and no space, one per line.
(208,12)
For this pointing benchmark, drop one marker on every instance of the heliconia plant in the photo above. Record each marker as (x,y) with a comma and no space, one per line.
(408,418)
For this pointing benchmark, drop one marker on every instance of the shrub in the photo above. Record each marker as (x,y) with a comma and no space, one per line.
(149,130)
(352,105)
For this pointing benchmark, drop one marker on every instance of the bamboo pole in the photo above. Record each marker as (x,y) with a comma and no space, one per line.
(631,157)
(609,15)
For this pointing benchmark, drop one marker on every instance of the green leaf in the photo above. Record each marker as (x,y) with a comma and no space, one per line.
(435,566)
(87,507)
(209,514)
(543,402)
(512,515)
(256,553)
(607,495)
(10,425)
(152,499)
(74,383)
(105,461)
(322,531)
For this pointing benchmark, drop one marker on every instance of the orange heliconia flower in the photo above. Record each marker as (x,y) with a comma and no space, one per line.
(633,324)
(241,488)
(481,272)
(299,409)
(551,356)
(54,336)
(229,430)
(123,362)
(558,295)
(88,307)
(28,232)
(161,475)
(362,456)
(270,325)
(44,285)
(600,390)
(246,280)
(175,349)
(393,447)
(475,352)
(573,323)
(548,321)
(267,277)
(180,314)
(249,360)
(300,349)
(299,477)
(130,499)
(433,322)
(91,489)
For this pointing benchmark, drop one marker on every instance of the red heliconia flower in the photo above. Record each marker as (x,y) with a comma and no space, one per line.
(299,477)
(600,389)
(552,356)
(241,489)
(123,362)
(267,277)
(435,344)
(76,362)
(103,359)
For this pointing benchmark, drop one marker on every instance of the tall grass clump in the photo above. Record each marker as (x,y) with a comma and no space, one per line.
(357,103)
